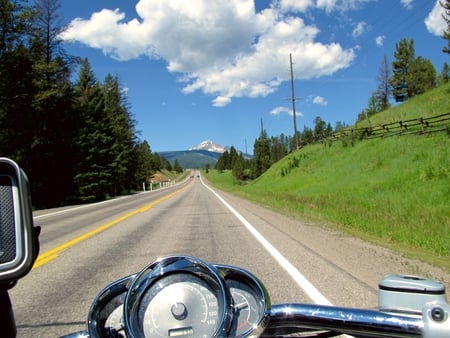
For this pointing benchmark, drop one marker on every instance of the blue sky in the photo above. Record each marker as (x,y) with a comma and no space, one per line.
(214,69)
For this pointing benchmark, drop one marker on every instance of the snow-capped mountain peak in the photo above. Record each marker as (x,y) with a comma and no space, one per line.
(210,146)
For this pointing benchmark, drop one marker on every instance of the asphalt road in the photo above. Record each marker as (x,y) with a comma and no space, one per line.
(85,248)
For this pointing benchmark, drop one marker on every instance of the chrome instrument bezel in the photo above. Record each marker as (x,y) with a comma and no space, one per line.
(221,279)
(104,298)
(233,273)
(176,265)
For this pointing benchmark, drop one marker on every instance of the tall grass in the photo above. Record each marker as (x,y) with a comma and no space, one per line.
(394,191)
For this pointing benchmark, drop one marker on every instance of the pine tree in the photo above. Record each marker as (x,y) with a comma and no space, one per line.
(421,76)
(94,138)
(261,155)
(384,88)
(404,56)
(223,162)
(319,128)
(233,157)
(238,169)
(122,129)
(51,162)
(373,106)
(444,77)
(16,85)
(143,164)
(307,136)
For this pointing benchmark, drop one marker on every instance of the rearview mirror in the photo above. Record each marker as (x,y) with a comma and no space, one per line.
(18,238)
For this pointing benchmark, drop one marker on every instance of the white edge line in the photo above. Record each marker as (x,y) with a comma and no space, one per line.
(102,202)
(72,209)
(306,285)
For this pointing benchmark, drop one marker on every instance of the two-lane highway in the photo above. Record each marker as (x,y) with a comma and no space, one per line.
(85,248)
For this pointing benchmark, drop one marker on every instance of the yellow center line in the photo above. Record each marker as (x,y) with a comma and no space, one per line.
(53,253)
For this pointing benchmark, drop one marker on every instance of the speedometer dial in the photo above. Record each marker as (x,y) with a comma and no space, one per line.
(179,305)
(179,296)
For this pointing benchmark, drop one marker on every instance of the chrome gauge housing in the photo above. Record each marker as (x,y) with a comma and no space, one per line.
(178,296)
(251,301)
(181,296)
(105,317)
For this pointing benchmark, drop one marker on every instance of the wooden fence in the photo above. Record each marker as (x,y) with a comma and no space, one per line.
(413,126)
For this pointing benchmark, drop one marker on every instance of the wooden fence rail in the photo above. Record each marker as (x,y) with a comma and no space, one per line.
(413,126)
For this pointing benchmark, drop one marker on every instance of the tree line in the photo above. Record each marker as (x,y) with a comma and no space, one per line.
(76,139)
(406,77)
(268,150)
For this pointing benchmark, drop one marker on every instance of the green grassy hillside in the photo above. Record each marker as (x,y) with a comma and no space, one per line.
(394,191)
(431,103)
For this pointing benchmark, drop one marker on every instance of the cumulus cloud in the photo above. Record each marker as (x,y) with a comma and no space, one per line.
(434,22)
(379,40)
(320,101)
(223,48)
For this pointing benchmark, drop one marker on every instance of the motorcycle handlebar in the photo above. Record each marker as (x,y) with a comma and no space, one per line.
(294,318)
(356,322)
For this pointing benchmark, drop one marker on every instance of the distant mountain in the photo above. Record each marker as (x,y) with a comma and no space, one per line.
(210,146)
(206,152)
(195,159)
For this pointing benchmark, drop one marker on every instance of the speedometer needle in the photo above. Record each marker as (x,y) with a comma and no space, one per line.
(241,306)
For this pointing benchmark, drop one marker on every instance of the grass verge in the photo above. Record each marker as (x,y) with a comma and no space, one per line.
(394,191)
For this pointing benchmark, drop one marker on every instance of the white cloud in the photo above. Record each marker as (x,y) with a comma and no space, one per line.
(222,48)
(379,40)
(284,110)
(339,5)
(327,5)
(296,5)
(434,22)
(320,101)
(359,29)
(280,110)
(221,101)
(408,4)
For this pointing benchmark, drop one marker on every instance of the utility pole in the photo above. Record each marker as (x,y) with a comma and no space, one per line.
(262,130)
(293,105)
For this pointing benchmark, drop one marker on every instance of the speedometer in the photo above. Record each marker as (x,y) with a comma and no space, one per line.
(178,296)
(180,305)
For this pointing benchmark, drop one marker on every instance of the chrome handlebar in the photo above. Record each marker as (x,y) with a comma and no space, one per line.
(289,318)
(286,318)
(409,306)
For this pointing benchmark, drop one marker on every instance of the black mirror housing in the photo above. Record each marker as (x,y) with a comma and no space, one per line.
(19,244)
